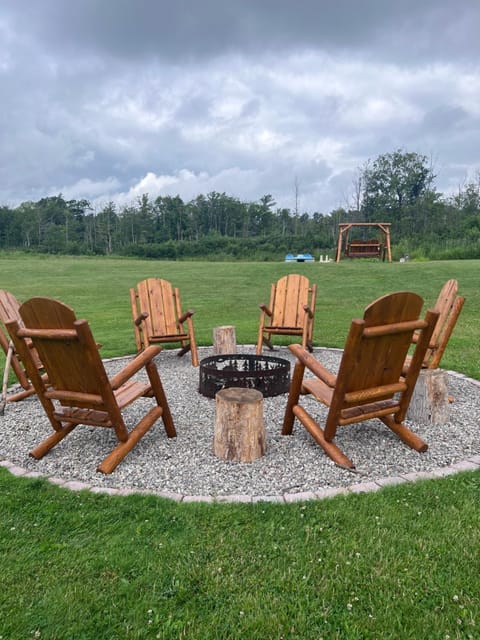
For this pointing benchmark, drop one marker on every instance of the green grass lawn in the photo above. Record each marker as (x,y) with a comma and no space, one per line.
(229,293)
(400,563)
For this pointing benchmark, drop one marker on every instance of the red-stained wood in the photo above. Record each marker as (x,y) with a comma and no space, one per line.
(367,248)
(79,390)
(158,317)
(449,306)
(370,382)
(291,311)
(9,306)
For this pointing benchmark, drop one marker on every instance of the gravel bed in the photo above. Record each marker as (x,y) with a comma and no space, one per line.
(186,465)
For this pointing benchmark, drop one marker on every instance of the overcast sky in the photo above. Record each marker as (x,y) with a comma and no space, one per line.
(109,99)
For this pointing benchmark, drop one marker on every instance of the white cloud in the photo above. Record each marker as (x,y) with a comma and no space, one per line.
(186,184)
(91,190)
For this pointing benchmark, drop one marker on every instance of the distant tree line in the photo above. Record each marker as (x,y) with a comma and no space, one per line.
(397,188)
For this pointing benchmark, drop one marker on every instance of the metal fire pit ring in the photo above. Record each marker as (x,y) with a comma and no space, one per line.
(267,374)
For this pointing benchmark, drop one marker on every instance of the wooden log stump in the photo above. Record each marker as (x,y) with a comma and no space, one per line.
(224,340)
(430,402)
(239,427)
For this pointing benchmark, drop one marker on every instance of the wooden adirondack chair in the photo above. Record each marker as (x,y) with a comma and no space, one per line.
(291,311)
(158,317)
(9,306)
(80,391)
(369,383)
(448,305)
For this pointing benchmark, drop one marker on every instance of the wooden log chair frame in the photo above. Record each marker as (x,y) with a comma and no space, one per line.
(158,317)
(291,311)
(9,310)
(449,306)
(79,390)
(369,383)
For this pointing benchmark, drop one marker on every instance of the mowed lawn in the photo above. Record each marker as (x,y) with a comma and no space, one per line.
(401,563)
(229,293)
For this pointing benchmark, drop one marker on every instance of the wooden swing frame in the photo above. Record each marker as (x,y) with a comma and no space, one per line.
(364,249)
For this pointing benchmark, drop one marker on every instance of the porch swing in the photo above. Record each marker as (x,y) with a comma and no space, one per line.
(364,248)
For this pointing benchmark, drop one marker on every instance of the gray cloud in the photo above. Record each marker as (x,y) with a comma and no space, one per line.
(191,29)
(104,99)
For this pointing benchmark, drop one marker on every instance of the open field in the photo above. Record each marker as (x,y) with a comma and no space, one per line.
(229,293)
(399,563)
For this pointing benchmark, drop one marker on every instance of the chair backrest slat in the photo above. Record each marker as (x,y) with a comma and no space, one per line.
(158,317)
(79,391)
(9,310)
(156,297)
(292,293)
(377,361)
(370,382)
(71,358)
(448,305)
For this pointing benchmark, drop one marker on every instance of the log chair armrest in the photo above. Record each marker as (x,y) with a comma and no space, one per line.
(313,365)
(133,367)
(266,310)
(308,311)
(143,316)
(186,315)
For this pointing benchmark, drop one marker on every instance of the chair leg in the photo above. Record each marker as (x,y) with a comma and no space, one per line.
(267,340)
(408,437)
(21,395)
(331,449)
(307,339)
(116,456)
(184,349)
(194,352)
(260,339)
(56,437)
(193,349)
(190,344)
(193,342)
(293,396)
(161,398)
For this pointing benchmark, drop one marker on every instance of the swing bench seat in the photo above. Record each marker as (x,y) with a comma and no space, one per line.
(364,249)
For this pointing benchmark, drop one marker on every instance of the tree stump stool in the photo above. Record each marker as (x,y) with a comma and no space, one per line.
(239,427)
(224,340)
(430,402)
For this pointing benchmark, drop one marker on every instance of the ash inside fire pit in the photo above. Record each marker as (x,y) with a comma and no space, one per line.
(267,374)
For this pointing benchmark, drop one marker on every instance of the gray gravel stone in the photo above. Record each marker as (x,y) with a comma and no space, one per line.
(185,466)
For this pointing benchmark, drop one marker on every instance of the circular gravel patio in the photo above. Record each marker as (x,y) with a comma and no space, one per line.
(294,467)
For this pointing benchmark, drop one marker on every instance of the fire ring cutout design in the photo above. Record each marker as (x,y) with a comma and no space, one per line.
(267,374)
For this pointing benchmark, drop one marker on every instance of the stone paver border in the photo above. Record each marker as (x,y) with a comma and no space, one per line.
(470,464)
